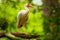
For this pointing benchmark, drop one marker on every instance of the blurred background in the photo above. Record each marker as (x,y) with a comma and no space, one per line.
(43,20)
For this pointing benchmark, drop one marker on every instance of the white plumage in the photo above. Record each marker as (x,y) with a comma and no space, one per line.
(22,18)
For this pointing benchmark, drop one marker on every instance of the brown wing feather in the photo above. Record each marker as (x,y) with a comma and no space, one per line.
(22,21)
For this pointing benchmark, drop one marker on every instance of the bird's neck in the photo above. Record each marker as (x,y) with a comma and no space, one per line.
(26,8)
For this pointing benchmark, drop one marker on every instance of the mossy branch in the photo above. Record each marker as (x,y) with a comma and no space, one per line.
(21,35)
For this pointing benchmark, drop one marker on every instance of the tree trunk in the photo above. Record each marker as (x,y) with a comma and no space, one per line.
(51,9)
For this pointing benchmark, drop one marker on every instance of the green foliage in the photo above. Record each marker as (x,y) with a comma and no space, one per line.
(3,23)
(8,18)
(51,23)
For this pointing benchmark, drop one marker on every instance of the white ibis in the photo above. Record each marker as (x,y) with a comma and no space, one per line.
(23,16)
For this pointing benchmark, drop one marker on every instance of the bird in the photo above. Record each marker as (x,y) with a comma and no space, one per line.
(22,16)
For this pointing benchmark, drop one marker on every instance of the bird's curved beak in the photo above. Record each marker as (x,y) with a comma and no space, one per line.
(32,6)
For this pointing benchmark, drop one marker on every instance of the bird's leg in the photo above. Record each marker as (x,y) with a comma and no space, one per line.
(18,28)
(25,25)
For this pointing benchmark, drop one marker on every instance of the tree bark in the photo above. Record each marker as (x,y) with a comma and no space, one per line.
(51,9)
(22,35)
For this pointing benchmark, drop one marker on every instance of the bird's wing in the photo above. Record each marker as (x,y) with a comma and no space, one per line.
(21,18)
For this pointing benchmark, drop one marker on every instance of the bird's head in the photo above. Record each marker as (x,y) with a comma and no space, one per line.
(29,5)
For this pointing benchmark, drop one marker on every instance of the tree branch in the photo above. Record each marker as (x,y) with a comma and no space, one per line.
(22,35)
